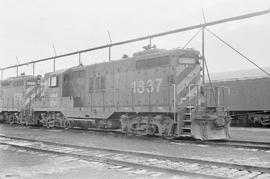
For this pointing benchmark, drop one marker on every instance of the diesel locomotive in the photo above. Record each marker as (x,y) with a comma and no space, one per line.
(154,92)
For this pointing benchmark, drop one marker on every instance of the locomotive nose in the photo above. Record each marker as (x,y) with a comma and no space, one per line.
(210,127)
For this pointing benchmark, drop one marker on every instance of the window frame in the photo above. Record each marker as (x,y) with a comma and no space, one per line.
(56,81)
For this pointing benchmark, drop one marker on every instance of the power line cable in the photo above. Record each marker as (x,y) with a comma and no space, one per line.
(209,78)
(195,35)
(241,54)
(245,16)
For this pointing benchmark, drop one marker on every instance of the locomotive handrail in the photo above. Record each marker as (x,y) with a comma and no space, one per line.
(222,87)
(207,87)
(189,96)
(144,38)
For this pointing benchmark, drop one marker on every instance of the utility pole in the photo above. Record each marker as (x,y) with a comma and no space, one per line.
(2,77)
(33,69)
(80,62)
(54,58)
(17,69)
(109,45)
(203,52)
(203,57)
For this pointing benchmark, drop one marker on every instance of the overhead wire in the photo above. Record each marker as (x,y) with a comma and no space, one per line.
(195,35)
(211,84)
(147,37)
(237,51)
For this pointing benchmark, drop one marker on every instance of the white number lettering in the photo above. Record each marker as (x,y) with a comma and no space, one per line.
(158,80)
(134,86)
(141,86)
(150,86)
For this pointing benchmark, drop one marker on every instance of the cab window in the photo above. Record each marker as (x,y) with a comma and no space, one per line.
(53,81)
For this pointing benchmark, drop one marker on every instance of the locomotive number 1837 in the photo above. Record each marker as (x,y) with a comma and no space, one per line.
(149,86)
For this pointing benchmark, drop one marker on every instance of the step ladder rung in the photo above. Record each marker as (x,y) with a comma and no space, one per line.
(187,126)
(185,134)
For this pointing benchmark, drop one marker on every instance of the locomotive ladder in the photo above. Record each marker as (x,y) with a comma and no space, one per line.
(186,124)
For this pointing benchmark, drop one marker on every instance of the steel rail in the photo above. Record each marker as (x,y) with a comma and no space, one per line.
(117,162)
(161,157)
(215,143)
(245,16)
(218,143)
(248,142)
(225,143)
(230,143)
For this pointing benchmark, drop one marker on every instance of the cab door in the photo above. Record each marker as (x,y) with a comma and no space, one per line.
(67,85)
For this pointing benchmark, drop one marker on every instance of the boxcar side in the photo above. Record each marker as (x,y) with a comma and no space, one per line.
(249,100)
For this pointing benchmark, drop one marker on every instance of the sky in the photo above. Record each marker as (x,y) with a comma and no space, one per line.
(30,28)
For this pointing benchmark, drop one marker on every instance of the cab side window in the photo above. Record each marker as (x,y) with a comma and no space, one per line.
(53,81)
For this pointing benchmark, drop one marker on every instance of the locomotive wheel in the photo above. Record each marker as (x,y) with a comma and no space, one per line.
(130,133)
(169,137)
(11,121)
(67,124)
(44,124)
(50,124)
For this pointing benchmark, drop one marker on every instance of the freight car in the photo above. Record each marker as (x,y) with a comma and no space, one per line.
(154,92)
(249,100)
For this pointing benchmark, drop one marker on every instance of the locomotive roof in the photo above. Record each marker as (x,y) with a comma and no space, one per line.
(57,72)
(20,78)
(151,53)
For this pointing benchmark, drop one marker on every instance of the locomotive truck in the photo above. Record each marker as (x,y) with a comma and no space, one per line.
(154,92)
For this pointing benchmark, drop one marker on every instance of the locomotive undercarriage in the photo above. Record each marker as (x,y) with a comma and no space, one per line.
(28,118)
(159,125)
(23,118)
(131,124)
(201,123)
(10,117)
(53,119)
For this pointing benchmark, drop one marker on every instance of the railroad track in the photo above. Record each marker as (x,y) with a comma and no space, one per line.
(219,143)
(223,143)
(265,146)
(173,165)
(244,144)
